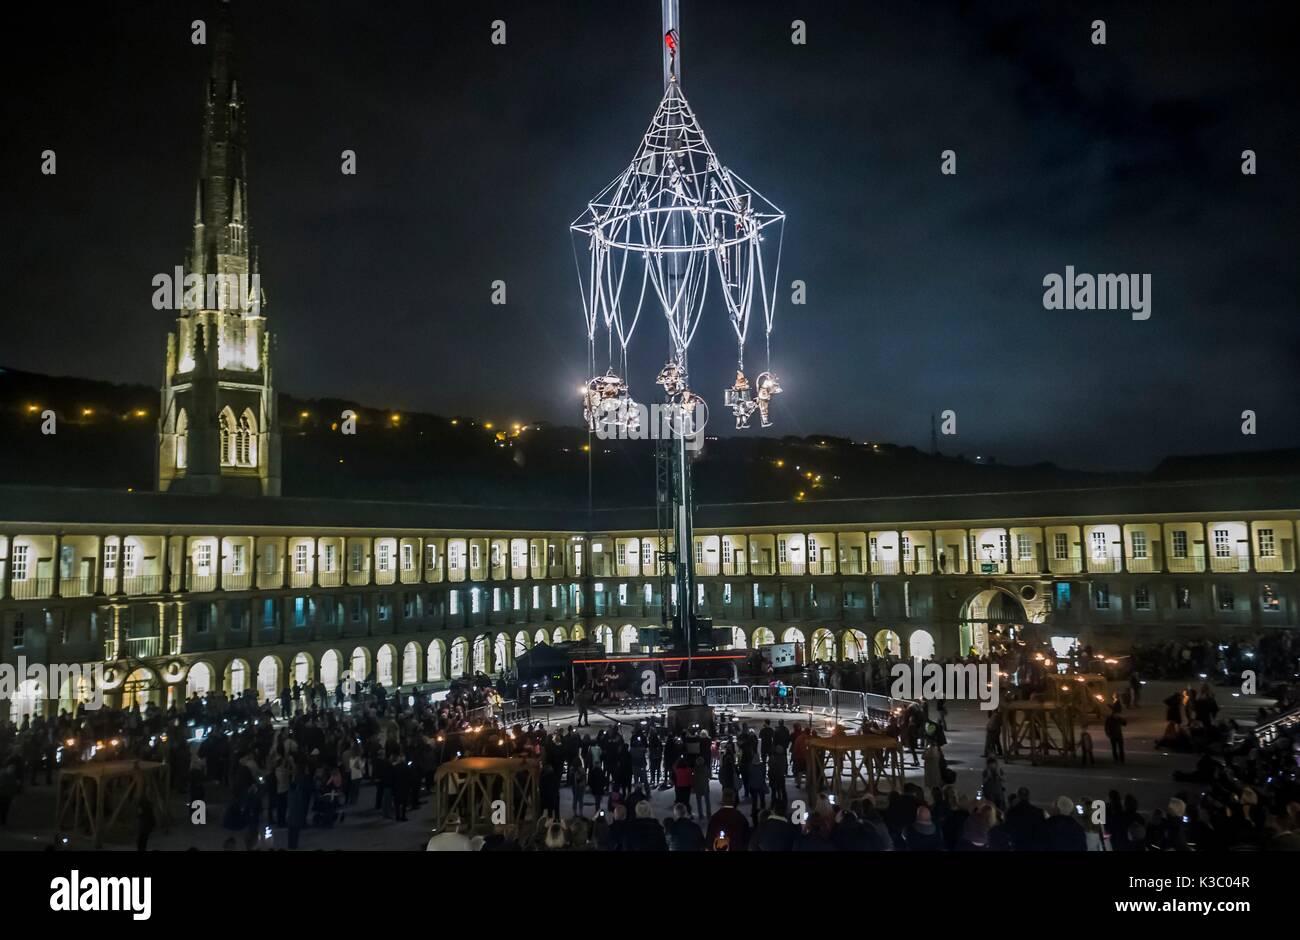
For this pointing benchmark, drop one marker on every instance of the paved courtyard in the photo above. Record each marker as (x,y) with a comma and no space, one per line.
(1147,775)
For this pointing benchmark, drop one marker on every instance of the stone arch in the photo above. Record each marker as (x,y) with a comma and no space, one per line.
(482,653)
(270,678)
(386,665)
(237,677)
(199,679)
(823,646)
(540,637)
(411,656)
(855,644)
(522,642)
(559,635)
(435,661)
(920,645)
(763,637)
(303,668)
(604,638)
(182,439)
(331,669)
(459,657)
(887,643)
(993,609)
(627,638)
(578,633)
(359,664)
(501,651)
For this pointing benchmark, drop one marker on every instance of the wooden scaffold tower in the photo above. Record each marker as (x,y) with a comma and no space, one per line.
(1039,730)
(487,791)
(93,798)
(845,766)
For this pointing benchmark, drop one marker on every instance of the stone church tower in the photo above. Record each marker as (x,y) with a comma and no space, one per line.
(217,430)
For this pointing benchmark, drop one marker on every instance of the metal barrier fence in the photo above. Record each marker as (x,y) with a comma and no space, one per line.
(844,703)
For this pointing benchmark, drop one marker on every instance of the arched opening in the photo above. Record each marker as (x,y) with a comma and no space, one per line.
(459,655)
(855,645)
(627,638)
(411,663)
(823,646)
(26,700)
(481,654)
(303,669)
(737,638)
(141,689)
(521,643)
(236,678)
(359,665)
(268,679)
(331,664)
(578,634)
(182,439)
(888,644)
(604,637)
(920,645)
(501,651)
(435,662)
(539,637)
(763,637)
(384,665)
(991,617)
(226,424)
(246,442)
(558,635)
(198,681)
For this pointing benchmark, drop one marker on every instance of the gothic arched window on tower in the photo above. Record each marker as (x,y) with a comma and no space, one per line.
(247,440)
(227,422)
(182,440)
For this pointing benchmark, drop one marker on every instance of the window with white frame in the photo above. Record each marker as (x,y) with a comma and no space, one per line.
(130,559)
(1141,597)
(726,551)
(453,603)
(1061,545)
(620,554)
(430,557)
(699,553)
(1024,547)
(1004,546)
(408,557)
(726,594)
(647,551)
(328,558)
(1222,545)
(453,556)
(358,558)
(475,555)
(1138,540)
(874,549)
(780,551)
(22,561)
(300,558)
(812,550)
(203,558)
(238,558)
(110,559)
(496,555)
(532,556)
(384,556)
(1098,545)
(516,555)
(1267,544)
(905,546)
(1179,538)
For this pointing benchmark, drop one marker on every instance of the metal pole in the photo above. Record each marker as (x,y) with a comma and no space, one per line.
(672,54)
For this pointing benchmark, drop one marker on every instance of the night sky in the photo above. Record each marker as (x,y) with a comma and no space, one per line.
(924,291)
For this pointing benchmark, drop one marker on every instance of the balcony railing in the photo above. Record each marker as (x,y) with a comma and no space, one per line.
(32,588)
(707,568)
(300,579)
(1142,565)
(142,584)
(1229,563)
(794,568)
(760,569)
(240,581)
(1185,564)
(331,578)
(269,579)
(75,587)
(1025,566)
(203,582)
(143,646)
(881,566)
(1065,565)
(920,566)
(456,575)
(1105,564)
(385,576)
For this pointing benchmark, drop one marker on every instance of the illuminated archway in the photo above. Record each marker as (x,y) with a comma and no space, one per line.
(540,637)
(521,643)
(578,633)
(359,664)
(501,651)
(627,638)
(237,678)
(411,655)
(268,679)
(855,645)
(436,662)
(481,663)
(558,635)
(738,638)
(384,665)
(763,637)
(604,637)
(991,611)
(198,681)
(888,644)
(303,669)
(823,646)
(459,657)
(331,665)
(920,645)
